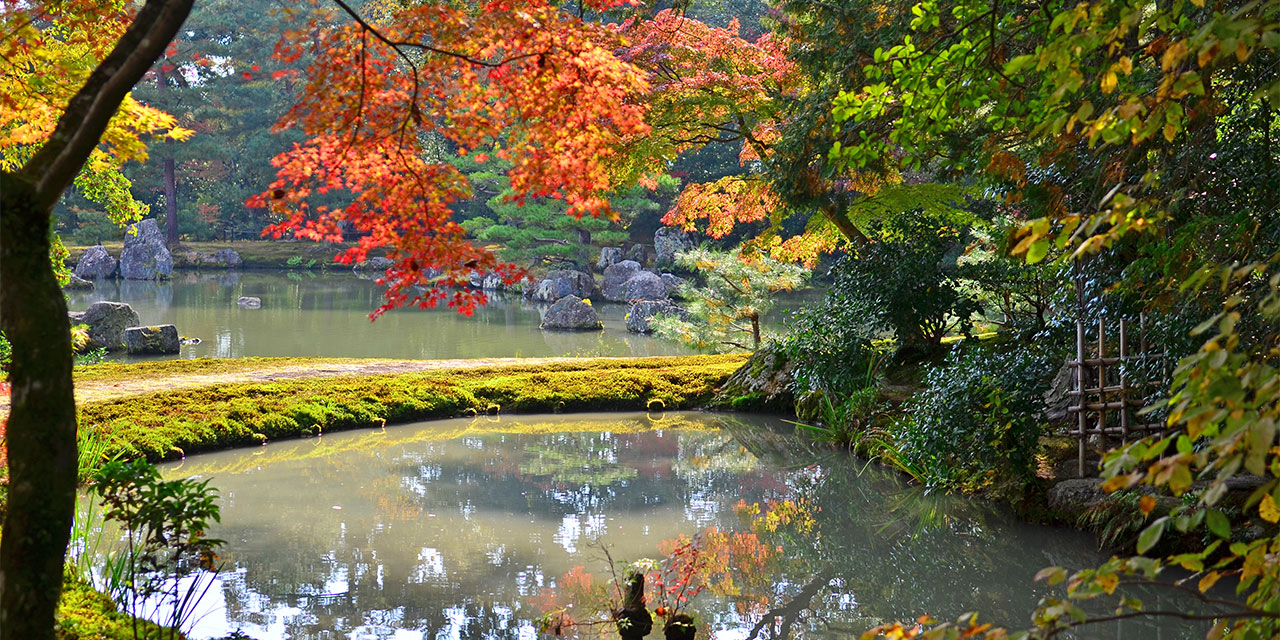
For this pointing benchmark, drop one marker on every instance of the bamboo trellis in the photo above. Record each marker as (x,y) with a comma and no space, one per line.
(1107,395)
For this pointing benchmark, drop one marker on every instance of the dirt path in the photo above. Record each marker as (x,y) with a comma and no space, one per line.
(100,390)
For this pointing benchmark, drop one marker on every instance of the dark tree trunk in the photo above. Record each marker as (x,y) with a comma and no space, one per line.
(41,430)
(42,423)
(170,182)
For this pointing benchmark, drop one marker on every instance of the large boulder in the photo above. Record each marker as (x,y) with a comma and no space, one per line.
(486,282)
(673,283)
(764,381)
(145,256)
(96,264)
(615,278)
(609,256)
(571,313)
(561,283)
(644,285)
(644,310)
(638,253)
(107,322)
(667,242)
(158,340)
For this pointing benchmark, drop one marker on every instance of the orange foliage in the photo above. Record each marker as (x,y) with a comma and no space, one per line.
(520,79)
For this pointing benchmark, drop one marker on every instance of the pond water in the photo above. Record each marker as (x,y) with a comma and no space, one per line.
(327,315)
(476,528)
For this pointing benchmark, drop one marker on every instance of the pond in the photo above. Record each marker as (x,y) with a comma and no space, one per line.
(476,528)
(327,315)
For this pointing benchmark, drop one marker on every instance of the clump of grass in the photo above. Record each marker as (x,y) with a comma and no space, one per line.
(170,424)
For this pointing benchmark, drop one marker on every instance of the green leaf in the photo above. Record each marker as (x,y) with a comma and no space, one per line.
(1217,523)
(1151,535)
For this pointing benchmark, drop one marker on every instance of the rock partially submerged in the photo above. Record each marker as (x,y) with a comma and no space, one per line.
(644,310)
(76,283)
(145,256)
(249,302)
(96,264)
(373,264)
(561,283)
(155,340)
(764,381)
(572,313)
(107,322)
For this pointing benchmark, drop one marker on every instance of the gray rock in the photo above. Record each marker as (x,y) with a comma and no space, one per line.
(487,282)
(107,322)
(1070,498)
(638,254)
(249,302)
(96,264)
(673,283)
(615,278)
(561,283)
(571,313)
(667,242)
(764,381)
(228,258)
(76,283)
(644,310)
(145,256)
(609,256)
(373,264)
(159,339)
(644,285)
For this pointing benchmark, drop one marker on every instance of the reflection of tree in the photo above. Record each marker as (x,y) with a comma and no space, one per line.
(572,464)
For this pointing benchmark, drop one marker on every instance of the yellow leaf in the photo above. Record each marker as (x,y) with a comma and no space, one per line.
(1109,82)
(1170,131)
(1268,509)
(1207,582)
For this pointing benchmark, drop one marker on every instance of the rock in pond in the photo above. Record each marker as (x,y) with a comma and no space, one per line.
(96,264)
(644,285)
(667,242)
(561,283)
(107,322)
(644,310)
(249,302)
(572,313)
(373,264)
(145,256)
(609,256)
(615,277)
(76,283)
(156,340)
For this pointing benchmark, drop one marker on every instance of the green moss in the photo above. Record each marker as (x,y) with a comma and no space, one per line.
(111,371)
(170,424)
(86,614)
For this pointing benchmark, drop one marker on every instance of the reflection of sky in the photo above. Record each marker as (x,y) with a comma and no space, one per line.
(457,538)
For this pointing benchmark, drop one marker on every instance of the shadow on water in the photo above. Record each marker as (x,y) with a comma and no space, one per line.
(478,528)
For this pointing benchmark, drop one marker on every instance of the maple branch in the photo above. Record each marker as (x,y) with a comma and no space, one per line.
(85,119)
(396,44)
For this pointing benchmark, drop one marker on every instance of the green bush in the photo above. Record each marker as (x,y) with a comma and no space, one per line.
(976,422)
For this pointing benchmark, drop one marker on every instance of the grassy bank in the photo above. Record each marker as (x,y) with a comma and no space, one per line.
(256,254)
(169,424)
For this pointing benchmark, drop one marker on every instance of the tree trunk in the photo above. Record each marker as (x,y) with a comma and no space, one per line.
(755,330)
(42,422)
(170,182)
(41,430)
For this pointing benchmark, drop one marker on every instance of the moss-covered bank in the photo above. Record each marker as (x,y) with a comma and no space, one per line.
(86,614)
(169,424)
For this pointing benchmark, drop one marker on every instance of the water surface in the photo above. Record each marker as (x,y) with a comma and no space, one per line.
(476,528)
(327,315)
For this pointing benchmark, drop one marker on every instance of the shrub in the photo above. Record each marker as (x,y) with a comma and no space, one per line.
(977,420)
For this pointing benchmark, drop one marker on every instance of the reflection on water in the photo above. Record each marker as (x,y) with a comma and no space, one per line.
(473,528)
(327,315)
